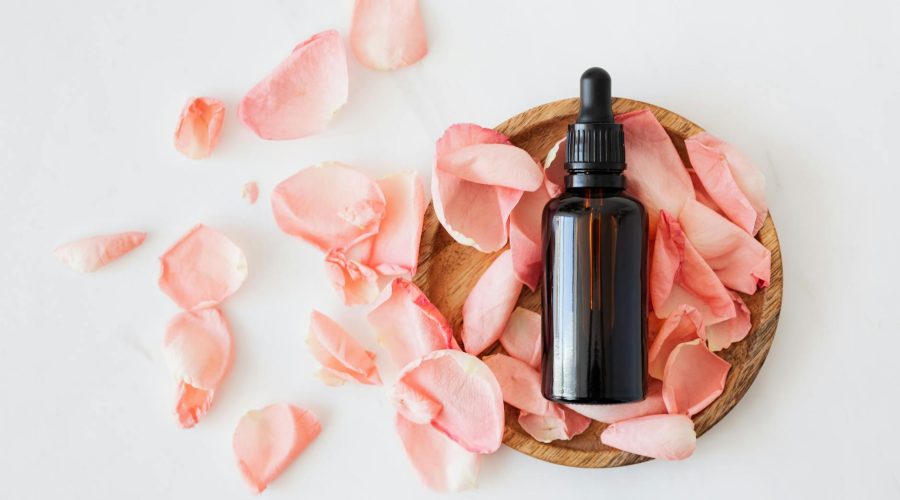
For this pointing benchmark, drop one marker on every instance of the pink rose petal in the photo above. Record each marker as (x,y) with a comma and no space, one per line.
(653,404)
(722,335)
(666,437)
(502,165)
(442,464)
(413,405)
(199,126)
(330,206)
(684,325)
(395,249)
(250,192)
(520,384)
(355,282)
(525,237)
(555,168)
(694,377)
(340,354)
(489,305)
(89,254)
(202,268)
(266,441)
(301,95)
(562,424)
(521,337)
(388,34)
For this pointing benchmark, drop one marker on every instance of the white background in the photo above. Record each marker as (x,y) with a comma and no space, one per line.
(90,95)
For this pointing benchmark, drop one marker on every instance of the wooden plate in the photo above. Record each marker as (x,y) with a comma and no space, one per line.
(448,271)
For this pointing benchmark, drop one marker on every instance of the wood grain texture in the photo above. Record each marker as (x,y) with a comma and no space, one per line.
(448,271)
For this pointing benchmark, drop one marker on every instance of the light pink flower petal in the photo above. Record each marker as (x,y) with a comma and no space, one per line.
(355,282)
(489,305)
(89,254)
(250,192)
(413,405)
(741,262)
(653,404)
(339,353)
(656,176)
(722,335)
(694,377)
(525,237)
(684,325)
(408,325)
(395,249)
(520,384)
(266,441)
(191,403)
(199,126)
(521,337)
(666,437)
(299,97)
(330,206)
(388,34)
(561,424)
(442,464)
(202,269)
(471,402)
(502,165)
(555,168)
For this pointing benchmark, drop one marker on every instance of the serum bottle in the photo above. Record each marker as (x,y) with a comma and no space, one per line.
(594,292)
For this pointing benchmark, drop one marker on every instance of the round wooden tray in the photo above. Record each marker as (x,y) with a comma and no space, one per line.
(448,271)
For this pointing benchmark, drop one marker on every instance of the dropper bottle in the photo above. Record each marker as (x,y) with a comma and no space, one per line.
(594,292)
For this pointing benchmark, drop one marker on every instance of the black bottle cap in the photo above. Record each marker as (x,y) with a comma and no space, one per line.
(595,143)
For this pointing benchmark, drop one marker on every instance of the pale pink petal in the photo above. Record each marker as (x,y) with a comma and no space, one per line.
(330,206)
(666,437)
(722,335)
(202,268)
(653,404)
(199,126)
(413,405)
(198,350)
(525,237)
(700,192)
(408,325)
(656,176)
(266,441)
(89,254)
(489,305)
(339,353)
(471,402)
(741,262)
(388,34)
(519,383)
(501,165)
(355,282)
(395,249)
(521,337)
(555,168)
(442,464)
(694,377)
(299,97)
(685,324)
(250,192)
(561,424)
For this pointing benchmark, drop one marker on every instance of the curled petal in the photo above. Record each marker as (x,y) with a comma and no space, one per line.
(561,424)
(250,192)
(191,403)
(684,325)
(521,337)
(555,168)
(520,384)
(653,404)
(348,211)
(301,95)
(489,305)
(525,237)
(501,165)
(666,437)
(339,353)
(199,126)
(202,269)
(388,34)
(413,404)
(355,282)
(395,249)
(694,377)
(89,254)
(442,464)
(722,335)
(266,441)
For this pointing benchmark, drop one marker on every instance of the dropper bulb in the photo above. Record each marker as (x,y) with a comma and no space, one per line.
(596,97)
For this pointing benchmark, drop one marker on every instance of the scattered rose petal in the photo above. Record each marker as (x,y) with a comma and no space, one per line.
(330,206)
(388,34)
(413,405)
(489,305)
(722,335)
(694,377)
(562,424)
(266,441)
(301,95)
(198,350)
(442,464)
(522,337)
(89,254)
(408,325)
(340,354)
(653,404)
(250,192)
(199,126)
(555,168)
(395,249)
(501,165)
(519,383)
(666,437)
(684,325)
(202,268)
(525,237)
(355,282)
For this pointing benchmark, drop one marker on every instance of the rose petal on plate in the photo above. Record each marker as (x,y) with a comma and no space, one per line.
(202,268)
(395,249)
(525,237)
(521,337)
(300,96)
(468,393)
(441,464)
(408,325)
(250,192)
(656,175)
(199,126)
(653,404)
(561,424)
(489,305)
(198,349)
(741,262)
(266,441)
(684,325)
(722,335)
(555,168)
(736,185)
(694,377)
(89,254)
(388,34)
(519,383)
(679,275)
(339,353)
(330,206)
(666,437)
(502,165)
(355,282)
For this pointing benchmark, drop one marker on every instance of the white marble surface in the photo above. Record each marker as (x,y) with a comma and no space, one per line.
(90,95)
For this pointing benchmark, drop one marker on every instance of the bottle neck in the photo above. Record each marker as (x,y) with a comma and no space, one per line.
(613,182)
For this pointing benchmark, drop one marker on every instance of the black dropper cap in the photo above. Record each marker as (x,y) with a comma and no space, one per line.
(595,143)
